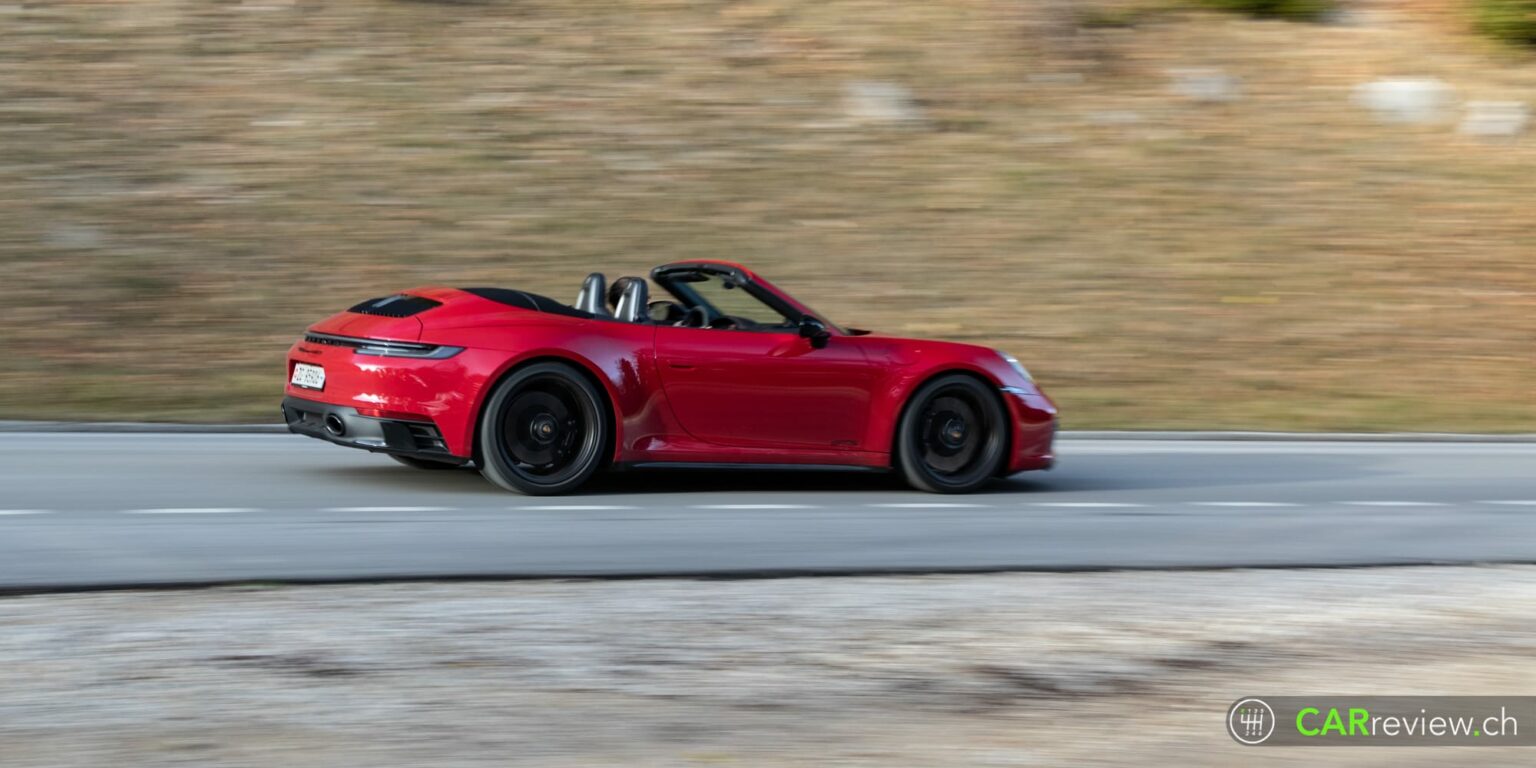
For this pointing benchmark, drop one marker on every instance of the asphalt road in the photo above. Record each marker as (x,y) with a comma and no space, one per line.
(105,509)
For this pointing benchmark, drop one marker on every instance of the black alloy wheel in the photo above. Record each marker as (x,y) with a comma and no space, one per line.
(952,436)
(543,430)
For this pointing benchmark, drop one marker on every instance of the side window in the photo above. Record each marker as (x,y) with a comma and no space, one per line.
(731,301)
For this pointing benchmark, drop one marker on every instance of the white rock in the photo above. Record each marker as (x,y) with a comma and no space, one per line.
(1405,100)
(73,236)
(1115,117)
(1495,119)
(869,101)
(1057,78)
(1208,86)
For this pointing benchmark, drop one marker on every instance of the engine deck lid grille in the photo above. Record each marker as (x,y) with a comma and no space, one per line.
(398,305)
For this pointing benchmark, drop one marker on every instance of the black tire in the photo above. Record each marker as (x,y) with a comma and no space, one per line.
(543,431)
(952,436)
(415,463)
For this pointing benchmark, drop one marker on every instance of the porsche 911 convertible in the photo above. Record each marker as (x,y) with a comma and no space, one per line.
(726,371)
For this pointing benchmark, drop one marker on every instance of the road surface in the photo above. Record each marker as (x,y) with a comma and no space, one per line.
(83,510)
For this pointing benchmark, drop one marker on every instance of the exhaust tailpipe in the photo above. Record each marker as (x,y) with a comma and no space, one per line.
(334,425)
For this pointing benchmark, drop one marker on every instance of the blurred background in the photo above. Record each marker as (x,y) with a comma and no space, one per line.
(1283,214)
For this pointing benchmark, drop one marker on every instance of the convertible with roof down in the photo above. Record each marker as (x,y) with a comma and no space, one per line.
(726,371)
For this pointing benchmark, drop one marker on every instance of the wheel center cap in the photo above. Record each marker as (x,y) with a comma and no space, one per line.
(954,432)
(543,428)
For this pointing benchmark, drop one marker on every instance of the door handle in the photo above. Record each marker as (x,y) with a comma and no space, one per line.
(681,365)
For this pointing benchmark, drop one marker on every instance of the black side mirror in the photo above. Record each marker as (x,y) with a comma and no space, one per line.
(815,331)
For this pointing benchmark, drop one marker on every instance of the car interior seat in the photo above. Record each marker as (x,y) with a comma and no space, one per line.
(631,300)
(594,295)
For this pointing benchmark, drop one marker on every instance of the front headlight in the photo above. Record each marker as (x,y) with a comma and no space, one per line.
(1017,366)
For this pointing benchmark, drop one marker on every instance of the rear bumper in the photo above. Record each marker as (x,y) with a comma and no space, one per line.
(343,425)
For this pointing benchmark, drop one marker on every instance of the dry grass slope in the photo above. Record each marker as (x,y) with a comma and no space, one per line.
(187,184)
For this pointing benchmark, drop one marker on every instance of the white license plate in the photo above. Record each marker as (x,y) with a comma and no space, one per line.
(308,376)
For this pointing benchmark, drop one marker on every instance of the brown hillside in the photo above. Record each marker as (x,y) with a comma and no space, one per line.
(187,184)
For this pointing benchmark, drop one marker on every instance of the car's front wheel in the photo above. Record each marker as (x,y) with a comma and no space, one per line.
(952,436)
(543,431)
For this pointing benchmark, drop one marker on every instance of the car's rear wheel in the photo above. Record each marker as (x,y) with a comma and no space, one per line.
(543,431)
(415,463)
(952,436)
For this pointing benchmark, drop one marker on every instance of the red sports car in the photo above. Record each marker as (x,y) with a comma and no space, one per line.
(726,371)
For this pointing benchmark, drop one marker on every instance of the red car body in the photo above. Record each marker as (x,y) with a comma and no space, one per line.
(676,395)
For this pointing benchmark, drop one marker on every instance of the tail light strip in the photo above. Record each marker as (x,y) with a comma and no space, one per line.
(381,348)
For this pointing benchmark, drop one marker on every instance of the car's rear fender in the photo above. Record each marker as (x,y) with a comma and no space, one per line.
(583,368)
(617,357)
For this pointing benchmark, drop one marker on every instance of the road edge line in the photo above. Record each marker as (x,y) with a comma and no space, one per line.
(12,591)
(133,427)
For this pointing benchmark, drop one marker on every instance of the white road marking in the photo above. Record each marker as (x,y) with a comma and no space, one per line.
(189,511)
(1231,447)
(1513,502)
(1243,504)
(1393,503)
(25,511)
(931,505)
(387,509)
(753,506)
(1086,504)
(571,508)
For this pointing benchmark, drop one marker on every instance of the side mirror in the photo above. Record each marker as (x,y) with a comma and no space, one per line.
(815,331)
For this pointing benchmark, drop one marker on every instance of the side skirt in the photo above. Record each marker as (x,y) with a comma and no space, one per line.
(623,466)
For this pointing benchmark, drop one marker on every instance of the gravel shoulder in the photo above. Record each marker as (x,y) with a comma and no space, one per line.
(994,670)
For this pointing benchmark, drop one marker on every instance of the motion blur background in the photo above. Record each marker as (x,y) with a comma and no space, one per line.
(1286,214)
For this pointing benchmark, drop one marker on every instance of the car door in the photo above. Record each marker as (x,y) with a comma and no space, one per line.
(767,389)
